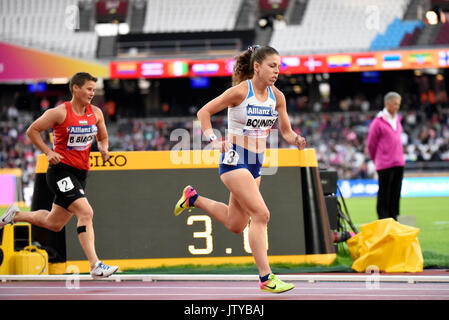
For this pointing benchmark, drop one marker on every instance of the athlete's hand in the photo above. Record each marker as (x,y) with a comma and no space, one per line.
(104,154)
(54,157)
(223,146)
(300,142)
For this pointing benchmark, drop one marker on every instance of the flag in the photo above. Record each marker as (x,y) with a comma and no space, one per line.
(152,69)
(290,62)
(126,67)
(366,61)
(443,58)
(205,68)
(178,68)
(420,58)
(392,61)
(339,61)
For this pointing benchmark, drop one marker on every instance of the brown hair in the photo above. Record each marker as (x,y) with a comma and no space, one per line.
(80,79)
(244,65)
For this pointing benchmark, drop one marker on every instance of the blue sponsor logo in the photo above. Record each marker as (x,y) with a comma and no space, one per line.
(83,129)
(260,111)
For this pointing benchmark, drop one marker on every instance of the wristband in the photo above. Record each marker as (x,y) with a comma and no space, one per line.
(212,137)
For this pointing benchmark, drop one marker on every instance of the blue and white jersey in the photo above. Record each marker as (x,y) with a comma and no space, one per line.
(253,118)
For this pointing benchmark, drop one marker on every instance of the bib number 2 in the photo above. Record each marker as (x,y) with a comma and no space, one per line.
(65,184)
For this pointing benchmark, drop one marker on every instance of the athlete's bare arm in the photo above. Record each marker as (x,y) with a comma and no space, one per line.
(284,122)
(50,118)
(102,134)
(228,99)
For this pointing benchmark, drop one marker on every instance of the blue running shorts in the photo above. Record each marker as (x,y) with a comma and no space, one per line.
(239,158)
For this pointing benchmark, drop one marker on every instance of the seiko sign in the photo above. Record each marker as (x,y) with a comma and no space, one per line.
(118,160)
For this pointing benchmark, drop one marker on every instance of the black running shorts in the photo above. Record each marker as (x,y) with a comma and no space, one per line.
(67,183)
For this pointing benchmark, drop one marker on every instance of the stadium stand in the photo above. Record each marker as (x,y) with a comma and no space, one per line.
(309,26)
(338,138)
(43,24)
(176,27)
(409,39)
(190,16)
(443,35)
(338,26)
(395,33)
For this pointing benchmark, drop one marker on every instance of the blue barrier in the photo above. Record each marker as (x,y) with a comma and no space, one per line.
(411,187)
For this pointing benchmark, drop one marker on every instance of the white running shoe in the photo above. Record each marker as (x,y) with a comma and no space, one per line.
(102,271)
(8,216)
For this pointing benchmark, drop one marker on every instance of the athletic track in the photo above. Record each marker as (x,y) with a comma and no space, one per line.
(429,285)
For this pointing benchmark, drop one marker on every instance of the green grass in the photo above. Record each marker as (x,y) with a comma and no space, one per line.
(241,269)
(432,218)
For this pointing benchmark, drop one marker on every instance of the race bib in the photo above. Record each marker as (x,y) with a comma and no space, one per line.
(231,158)
(81,137)
(259,120)
(65,184)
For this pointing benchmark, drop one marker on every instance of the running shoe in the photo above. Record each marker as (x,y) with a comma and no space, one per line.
(102,271)
(275,285)
(184,202)
(8,216)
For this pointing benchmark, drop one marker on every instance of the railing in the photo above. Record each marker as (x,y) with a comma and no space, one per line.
(177,46)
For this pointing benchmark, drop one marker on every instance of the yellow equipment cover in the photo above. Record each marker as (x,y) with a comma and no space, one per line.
(386,245)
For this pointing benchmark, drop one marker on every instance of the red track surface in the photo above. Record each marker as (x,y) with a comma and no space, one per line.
(218,290)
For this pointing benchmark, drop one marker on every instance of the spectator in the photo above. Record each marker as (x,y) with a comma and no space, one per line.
(13,113)
(385,149)
(338,137)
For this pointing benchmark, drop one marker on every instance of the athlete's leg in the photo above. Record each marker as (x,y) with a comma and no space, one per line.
(216,209)
(232,216)
(238,217)
(83,211)
(245,189)
(53,220)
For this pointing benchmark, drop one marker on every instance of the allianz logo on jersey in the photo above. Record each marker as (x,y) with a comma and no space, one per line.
(261,111)
(83,129)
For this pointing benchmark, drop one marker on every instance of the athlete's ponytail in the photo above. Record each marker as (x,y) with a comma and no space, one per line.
(244,65)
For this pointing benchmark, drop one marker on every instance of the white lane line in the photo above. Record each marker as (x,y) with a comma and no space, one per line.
(85,287)
(206,277)
(222,295)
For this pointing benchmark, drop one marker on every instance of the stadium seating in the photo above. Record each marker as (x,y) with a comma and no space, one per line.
(326,26)
(190,16)
(45,25)
(443,35)
(338,26)
(394,34)
(409,39)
